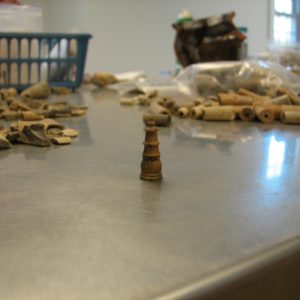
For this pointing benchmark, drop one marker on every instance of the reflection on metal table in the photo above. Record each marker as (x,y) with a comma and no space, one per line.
(76,222)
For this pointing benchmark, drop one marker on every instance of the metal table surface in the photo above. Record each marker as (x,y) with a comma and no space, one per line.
(76,222)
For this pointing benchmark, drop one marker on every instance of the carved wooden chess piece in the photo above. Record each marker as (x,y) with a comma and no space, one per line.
(151,164)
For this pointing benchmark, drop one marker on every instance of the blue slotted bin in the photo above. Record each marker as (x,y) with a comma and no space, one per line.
(27,58)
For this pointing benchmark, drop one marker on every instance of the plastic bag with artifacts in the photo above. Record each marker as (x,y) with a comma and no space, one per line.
(214,38)
(102,79)
(206,79)
(286,56)
(256,76)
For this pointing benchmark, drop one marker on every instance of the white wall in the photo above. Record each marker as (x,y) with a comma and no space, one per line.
(137,34)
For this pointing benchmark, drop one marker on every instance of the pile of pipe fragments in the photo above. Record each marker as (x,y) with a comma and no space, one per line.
(244,105)
(31,116)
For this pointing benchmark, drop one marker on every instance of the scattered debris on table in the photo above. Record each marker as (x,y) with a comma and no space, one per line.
(244,105)
(34,114)
(222,91)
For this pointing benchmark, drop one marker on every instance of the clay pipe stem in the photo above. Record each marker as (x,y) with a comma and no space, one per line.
(234,99)
(290,117)
(158,119)
(220,113)
(158,109)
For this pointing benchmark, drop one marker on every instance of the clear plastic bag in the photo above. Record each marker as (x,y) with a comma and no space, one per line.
(288,57)
(258,76)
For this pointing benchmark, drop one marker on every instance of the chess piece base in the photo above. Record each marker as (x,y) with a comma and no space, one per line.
(152,177)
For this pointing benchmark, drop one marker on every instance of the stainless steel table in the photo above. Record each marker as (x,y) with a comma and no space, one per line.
(76,222)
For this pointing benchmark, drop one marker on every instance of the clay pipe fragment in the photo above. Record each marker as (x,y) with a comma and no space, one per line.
(235,99)
(256,97)
(4,94)
(18,105)
(128,101)
(209,103)
(158,109)
(246,113)
(9,115)
(281,100)
(158,119)
(8,93)
(185,109)
(31,116)
(265,114)
(294,98)
(197,112)
(276,109)
(290,117)
(183,112)
(220,113)
(290,108)
(167,102)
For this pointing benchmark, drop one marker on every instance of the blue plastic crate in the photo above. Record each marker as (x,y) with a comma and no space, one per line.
(27,58)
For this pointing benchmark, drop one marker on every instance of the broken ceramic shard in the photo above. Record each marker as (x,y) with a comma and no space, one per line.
(18,105)
(60,90)
(102,79)
(12,136)
(4,143)
(54,132)
(62,110)
(61,140)
(12,92)
(31,116)
(36,104)
(8,93)
(47,123)
(37,91)
(69,132)
(3,107)
(9,115)
(4,94)
(77,112)
(35,135)
(4,132)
